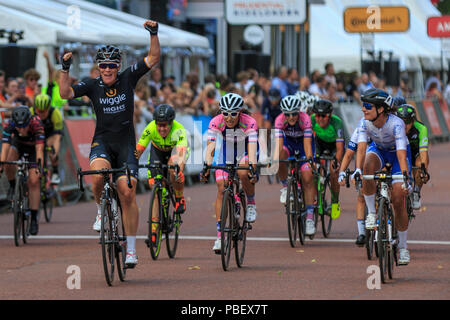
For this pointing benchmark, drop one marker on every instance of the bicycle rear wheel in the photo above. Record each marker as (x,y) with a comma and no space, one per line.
(382,239)
(120,248)
(292,211)
(17,211)
(226,229)
(155,204)
(107,242)
(47,204)
(240,237)
(173,222)
(326,208)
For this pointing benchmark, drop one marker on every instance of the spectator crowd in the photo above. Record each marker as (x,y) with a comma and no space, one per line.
(195,97)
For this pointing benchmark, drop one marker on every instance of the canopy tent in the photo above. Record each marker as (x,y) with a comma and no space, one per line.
(53,22)
(329,42)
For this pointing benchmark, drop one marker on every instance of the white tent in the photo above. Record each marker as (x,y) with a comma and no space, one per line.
(53,22)
(329,42)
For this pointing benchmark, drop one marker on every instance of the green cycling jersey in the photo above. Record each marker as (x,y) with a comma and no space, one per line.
(334,132)
(418,138)
(175,138)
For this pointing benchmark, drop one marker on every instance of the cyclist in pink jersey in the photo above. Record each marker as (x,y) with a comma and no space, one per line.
(294,134)
(234,134)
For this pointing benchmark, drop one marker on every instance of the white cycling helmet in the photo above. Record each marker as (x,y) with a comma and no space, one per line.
(290,104)
(231,102)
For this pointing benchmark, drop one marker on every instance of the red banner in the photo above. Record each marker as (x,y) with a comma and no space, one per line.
(438,27)
(81,133)
(432,117)
(445,112)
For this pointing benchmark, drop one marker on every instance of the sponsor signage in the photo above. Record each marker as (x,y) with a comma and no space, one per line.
(376,19)
(438,27)
(244,12)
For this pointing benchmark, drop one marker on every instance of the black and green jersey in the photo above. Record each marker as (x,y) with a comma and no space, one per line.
(418,138)
(326,138)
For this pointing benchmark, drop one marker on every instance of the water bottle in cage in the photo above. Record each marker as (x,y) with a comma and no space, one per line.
(237,206)
(299,193)
(114,209)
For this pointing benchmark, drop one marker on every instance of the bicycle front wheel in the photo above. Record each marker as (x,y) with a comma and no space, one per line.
(154,224)
(226,229)
(120,247)
(173,222)
(326,209)
(107,242)
(292,211)
(240,237)
(17,211)
(382,239)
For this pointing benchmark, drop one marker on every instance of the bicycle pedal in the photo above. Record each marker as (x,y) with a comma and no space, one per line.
(147,242)
(130,266)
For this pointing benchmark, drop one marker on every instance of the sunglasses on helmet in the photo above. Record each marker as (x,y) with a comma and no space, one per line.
(105,65)
(230,114)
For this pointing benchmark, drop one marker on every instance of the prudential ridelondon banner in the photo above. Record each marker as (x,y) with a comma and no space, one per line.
(246,12)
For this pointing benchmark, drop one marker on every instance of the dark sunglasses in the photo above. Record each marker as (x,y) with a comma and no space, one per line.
(368,106)
(321,115)
(292,114)
(108,65)
(232,114)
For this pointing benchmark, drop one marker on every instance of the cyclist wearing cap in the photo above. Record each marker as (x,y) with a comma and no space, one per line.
(114,141)
(169,146)
(53,125)
(389,144)
(329,137)
(232,127)
(417,134)
(294,134)
(24,136)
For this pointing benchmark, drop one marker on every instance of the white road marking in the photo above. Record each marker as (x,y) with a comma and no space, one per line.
(87,237)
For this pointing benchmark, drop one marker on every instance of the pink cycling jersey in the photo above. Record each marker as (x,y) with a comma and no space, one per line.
(302,128)
(246,128)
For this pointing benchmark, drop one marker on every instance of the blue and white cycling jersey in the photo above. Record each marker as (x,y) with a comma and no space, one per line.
(390,137)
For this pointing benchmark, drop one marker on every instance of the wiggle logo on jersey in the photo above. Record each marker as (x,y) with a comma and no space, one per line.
(111,93)
(113,101)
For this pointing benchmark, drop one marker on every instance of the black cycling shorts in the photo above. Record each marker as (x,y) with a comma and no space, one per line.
(116,153)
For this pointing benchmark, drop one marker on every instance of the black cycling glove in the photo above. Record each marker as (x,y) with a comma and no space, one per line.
(153,30)
(66,63)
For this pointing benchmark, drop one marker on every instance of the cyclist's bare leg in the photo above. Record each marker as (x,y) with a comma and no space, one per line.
(416,174)
(97,179)
(219,198)
(334,180)
(371,164)
(34,188)
(129,205)
(360,205)
(308,186)
(10,170)
(282,169)
(178,186)
(249,188)
(398,202)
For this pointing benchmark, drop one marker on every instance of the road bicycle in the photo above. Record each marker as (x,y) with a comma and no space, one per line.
(295,200)
(112,232)
(167,222)
(385,232)
(233,223)
(323,206)
(20,201)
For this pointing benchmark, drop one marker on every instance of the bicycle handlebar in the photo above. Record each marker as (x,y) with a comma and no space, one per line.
(103,172)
